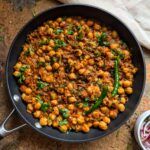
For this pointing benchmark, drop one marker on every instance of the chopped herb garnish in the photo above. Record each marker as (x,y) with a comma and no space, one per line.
(85,104)
(21,78)
(41,84)
(42,64)
(59,43)
(64,112)
(53,60)
(102,40)
(58,31)
(24,68)
(79,28)
(29,51)
(38,98)
(86,99)
(63,122)
(44,42)
(70,32)
(44,107)
(79,36)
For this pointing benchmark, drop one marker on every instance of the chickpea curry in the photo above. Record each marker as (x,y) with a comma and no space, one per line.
(74,74)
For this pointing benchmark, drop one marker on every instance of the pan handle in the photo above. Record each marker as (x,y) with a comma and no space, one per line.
(3,131)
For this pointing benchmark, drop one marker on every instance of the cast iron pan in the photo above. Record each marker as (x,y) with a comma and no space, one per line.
(88,12)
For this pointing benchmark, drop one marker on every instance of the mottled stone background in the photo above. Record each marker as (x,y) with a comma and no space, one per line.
(26,139)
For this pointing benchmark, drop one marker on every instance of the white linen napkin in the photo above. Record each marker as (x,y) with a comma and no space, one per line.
(134,13)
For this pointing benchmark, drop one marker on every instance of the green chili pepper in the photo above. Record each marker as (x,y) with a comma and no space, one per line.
(116,71)
(98,101)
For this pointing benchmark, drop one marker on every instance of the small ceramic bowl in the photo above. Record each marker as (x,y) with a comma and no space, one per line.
(137,128)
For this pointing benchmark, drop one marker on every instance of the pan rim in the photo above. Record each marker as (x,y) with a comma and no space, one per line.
(48,135)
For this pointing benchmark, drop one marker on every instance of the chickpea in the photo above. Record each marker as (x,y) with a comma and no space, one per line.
(104,110)
(127,83)
(59,118)
(49,122)
(56,110)
(85,128)
(80,105)
(51,43)
(90,35)
(52,116)
(39,51)
(96,26)
(70,86)
(29,108)
(41,59)
(106,120)
(51,53)
(91,61)
(96,114)
(126,53)
(114,45)
(37,114)
(129,75)
(16,73)
(49,78)
(113,114)
(43,121)
(121,90)
(53,95)
(125,70)
(56,65)
(28,91)
(121,107)
(79,52)
(114,34)
(60,90)
(55,123)
(18,66)
(54,102)
(59,19)
(103,125)
(49,30)
(95,123)
(69,20)
(72,76)
(48,67)
(72,99)
(90,23)
(84,93)
(86,108)
(80,120)
(123,100)
(129,90)
(134,70)
(81,44)
(81,71)
(47,58)
(63,128)
(71,107)
(37,105)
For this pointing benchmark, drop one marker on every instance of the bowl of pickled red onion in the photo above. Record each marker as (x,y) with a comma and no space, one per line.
(142,130)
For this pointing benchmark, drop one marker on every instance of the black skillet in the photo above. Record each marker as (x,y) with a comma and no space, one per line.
(88,12)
